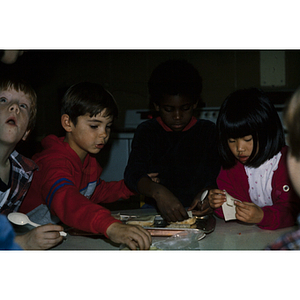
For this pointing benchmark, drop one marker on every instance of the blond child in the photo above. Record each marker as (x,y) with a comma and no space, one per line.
(17,117)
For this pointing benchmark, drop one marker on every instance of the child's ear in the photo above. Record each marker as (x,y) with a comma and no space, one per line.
(195,105)
(156,106)
(25,135)
(66,122)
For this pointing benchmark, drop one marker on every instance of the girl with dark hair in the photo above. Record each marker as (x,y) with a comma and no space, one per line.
(253,153)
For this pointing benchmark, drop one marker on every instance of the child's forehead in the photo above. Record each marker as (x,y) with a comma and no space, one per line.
(101,115)
(175,100)
(15,93)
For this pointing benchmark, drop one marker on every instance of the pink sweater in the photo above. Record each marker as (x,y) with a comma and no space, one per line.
(286,205)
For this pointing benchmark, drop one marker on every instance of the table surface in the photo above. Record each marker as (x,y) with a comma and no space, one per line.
(230,235)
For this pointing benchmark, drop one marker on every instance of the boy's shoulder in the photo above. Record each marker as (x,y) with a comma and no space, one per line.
(204,126)
(205,122)
(53,147)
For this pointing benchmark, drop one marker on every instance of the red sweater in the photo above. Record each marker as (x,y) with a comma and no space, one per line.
(285,206)
(72,190)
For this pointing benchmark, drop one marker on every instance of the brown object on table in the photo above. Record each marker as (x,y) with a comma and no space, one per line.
(142,221)
(183,224)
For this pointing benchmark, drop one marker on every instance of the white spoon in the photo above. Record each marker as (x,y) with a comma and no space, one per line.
(22,219)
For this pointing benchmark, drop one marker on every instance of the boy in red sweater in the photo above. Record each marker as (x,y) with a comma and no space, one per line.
(67,186)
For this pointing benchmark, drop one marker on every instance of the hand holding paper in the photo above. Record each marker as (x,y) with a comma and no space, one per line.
(229,208)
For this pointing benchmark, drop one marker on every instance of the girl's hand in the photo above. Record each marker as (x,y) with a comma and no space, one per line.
(216,198)
(248,212)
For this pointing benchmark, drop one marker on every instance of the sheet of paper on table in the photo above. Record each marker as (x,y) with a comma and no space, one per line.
(229,208)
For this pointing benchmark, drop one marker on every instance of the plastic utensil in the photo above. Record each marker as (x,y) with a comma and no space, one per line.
(22,219)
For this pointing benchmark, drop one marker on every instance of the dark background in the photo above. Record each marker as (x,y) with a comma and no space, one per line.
(125,74)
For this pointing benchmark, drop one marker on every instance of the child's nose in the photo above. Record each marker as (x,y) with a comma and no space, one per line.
(103,133)
(177,114)
(240,147)
(14,107)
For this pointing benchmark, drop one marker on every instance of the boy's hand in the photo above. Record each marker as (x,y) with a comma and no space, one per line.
(216,198)
(248,212)
(40,238)
(170,207)
(133,236)
(154,177)
(200,208)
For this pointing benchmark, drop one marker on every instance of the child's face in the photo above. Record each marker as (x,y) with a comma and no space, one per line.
(90,133)
(14,116)
(292,163)
(176,111)
(241,148)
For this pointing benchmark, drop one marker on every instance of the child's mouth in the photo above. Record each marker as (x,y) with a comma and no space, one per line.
(177,126)
(243,159)
(11,122)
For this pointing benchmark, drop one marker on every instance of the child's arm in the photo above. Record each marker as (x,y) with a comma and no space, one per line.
(40,238)
(169,206)
(58,186)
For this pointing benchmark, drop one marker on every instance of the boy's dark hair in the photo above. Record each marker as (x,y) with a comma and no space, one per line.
(21,85)
(292,123)
(249,112)
(88,98)
(175,77)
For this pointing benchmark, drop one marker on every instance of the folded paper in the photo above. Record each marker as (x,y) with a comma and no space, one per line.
(229,208)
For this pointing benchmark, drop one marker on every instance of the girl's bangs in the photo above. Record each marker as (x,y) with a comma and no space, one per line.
(237,128)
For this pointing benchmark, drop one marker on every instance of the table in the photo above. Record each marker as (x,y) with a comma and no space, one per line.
(230,235)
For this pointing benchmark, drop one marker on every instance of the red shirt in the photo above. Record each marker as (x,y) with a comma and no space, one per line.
(72,190)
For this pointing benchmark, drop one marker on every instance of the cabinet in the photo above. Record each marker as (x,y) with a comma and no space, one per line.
(114,156)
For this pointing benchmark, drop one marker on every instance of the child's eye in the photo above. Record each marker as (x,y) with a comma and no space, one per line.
(231,141)
(3,100)
(23,105)
(248,139)
(94,126)
(168,109)
(186,107)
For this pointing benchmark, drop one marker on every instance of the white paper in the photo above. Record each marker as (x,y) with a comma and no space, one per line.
(229,208)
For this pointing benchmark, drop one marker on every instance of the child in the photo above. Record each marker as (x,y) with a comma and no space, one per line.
(17,115)
(291,241)
(181,149)
(292,122)
(7,235)
(67,186)
(253,151)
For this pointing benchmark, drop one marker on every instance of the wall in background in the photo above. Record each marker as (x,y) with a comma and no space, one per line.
(125,74)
